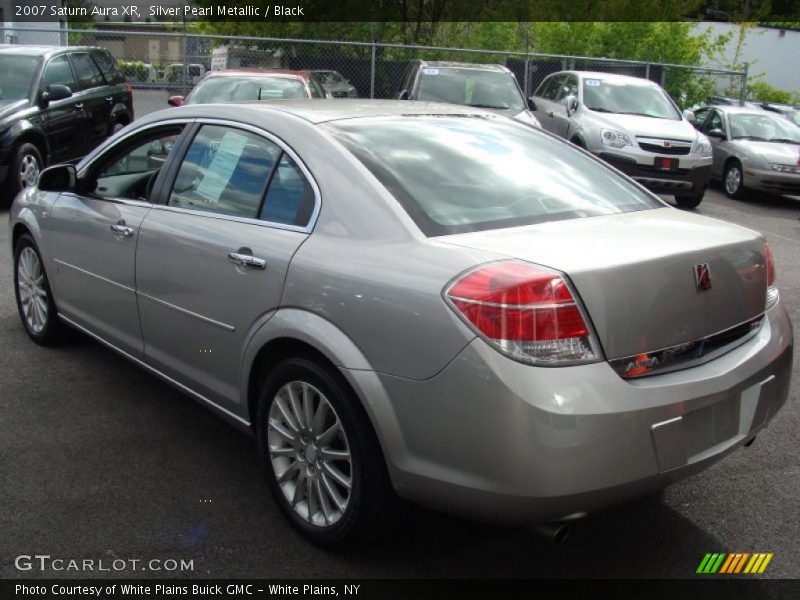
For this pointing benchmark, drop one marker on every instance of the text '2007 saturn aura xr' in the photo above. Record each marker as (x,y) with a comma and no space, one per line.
(412,300)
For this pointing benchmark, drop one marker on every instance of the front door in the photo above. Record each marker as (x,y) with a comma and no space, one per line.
(93,236)
(212,259)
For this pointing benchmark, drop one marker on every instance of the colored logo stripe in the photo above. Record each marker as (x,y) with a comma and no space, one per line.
(736,562)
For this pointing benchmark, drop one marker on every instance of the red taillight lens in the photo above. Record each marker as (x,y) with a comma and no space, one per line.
(525,310)
(772,289)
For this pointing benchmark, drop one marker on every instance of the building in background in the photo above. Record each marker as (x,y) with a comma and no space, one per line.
(16,29)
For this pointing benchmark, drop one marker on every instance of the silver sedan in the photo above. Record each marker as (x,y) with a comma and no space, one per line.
(411,300)
(753,149)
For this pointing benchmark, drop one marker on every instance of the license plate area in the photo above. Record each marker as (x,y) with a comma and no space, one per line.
(666,164)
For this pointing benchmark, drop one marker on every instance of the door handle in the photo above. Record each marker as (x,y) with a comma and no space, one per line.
(109,98)
(120,228)
(247,260)
(79,106)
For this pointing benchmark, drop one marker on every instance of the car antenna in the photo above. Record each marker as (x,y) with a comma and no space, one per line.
(259,93)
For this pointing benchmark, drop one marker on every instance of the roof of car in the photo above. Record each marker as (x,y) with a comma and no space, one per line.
(445,64)
(42,50)
(318,110)
(259,72)
(737,110)
(609,77)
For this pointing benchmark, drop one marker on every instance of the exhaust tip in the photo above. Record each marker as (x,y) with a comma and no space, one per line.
(556,533)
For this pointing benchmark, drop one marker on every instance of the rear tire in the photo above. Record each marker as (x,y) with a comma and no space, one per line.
(324,465)
(733,180)
(689,201)
(35,303)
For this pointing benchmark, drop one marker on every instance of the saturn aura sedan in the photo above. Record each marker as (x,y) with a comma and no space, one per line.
(412,300)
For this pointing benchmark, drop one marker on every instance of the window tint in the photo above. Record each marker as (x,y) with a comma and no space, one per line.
(87,73)
(224,171)
(472,87)
(131,171)
(714,122)
(454,175)
(58,72)
(107,64)
(290,198)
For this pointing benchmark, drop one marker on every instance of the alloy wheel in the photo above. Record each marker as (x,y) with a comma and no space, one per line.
(733,180)
(28,171)
(310,454)
(32,290)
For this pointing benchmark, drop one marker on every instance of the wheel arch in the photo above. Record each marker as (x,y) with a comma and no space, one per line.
(23,132)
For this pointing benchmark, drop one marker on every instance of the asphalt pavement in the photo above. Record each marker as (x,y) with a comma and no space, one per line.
(100,460)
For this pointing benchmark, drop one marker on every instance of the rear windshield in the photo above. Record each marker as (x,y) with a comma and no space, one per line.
(472,87)
(628,98)
(234,89)
(17,76)
(457,174)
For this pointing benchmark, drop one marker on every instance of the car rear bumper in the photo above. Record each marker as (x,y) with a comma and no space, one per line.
(498,440)
(691,177)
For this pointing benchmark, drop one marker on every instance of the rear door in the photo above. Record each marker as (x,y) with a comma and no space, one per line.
(212,258)
(94,97)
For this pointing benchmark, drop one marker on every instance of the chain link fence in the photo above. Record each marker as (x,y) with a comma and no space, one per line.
(160,64)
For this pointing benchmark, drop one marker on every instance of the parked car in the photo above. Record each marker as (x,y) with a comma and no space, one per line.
(234,85)
(193,72)
(412,298)
(492,87)
(791,113)
(56,104)
(753,149)
(334,84)
(632,124)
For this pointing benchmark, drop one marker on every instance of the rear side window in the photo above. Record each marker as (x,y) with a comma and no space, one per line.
(290,198)
(107,65)
(88,73)
(459,174)
(58,72)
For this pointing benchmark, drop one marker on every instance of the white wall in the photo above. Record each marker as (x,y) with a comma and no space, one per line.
(771,52)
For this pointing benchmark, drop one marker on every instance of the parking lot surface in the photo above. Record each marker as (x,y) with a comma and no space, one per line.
(100,460)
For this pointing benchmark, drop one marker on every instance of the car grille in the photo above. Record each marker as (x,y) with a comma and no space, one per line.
(656,146)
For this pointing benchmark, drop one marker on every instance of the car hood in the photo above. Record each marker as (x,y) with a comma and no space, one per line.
(9,107)
(648,126)
(773,152)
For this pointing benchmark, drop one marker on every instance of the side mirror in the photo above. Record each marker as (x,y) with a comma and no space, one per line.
(54,92)
(60,178)
(403,95)
(689,116)
(532,104)
(571,104)
(176,100)
(716,133)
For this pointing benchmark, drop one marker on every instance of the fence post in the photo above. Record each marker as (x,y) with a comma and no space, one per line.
(663,76)
(185,59)
(647,71)
(372,73)
(743,88)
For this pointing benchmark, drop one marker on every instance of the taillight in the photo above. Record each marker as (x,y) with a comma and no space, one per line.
(526,311)
(129,89)
(772,289)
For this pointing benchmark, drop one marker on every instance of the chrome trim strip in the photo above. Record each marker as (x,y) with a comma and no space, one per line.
(187,312)
(676,358)
(223,217)
(95,275)
(155,371)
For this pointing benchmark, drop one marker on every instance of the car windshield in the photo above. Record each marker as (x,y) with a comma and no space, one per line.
(472,87)
(628,98)
(763,127)
(18,73)
(454,174)
(233,89)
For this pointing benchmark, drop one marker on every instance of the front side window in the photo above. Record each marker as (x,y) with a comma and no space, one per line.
(235,89)
(553,87)
(87,73)
(130,171)
(459,174)
(225,171)
(58,72)
(628,98)
(16,76)
(714,122)
(471,87)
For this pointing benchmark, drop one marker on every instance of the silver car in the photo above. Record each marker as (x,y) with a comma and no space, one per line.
(412,300)
(632,124)
(753,149)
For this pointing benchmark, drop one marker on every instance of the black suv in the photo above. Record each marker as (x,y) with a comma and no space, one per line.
(56,104)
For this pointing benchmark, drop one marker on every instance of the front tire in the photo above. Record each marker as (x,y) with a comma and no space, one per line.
(690,201)
(733,180)
(26,166)
(35,303)
(320,455)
